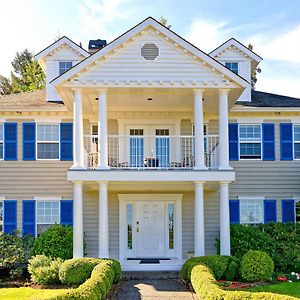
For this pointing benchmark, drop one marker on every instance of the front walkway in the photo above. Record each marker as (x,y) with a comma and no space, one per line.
(154,289)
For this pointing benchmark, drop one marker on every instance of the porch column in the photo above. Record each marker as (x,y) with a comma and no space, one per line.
(199,237)
(78,152)
(223,130)
(224,219)
(199,136)
(102,129)
(77,221)
(103,221)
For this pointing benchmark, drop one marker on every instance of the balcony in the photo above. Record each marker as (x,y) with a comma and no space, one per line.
(140,152)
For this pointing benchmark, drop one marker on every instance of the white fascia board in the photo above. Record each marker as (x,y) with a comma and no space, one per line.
(240,46)
(60,42)
(160,28)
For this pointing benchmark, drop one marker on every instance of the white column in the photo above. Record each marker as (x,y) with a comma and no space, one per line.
(77,221)
(103,221)
(78,150)
(199,136)
(199,236)
(102,129)
(224,219)
(223,130)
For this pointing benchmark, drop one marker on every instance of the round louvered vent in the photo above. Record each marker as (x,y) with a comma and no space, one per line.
(149,51)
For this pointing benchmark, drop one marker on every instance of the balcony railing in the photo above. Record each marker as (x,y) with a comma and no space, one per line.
(152,152)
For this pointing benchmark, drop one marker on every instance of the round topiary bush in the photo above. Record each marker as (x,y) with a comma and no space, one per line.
(56,241)
(256,266)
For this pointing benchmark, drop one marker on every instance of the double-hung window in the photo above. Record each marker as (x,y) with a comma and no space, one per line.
(233,66)
(296,141)
(47,214)
(251,211)
(1,215)
(64,66)
(250,141)
(48,141)
(1,141)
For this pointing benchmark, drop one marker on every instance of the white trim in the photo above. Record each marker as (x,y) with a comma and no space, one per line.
(2,197)
(125,199)
(250,197)
(47,198)
(3,141)
(46,120)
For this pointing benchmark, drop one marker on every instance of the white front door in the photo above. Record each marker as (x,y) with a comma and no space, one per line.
(150,229)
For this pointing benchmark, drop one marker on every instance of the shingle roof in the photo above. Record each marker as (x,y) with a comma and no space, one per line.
(263,99)
(35,100)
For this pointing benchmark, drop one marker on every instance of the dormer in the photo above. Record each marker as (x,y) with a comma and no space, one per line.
(240,60)
(57,59)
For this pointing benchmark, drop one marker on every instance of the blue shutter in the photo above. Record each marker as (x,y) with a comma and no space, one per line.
(233,141)
(268,141)
(29,141)
(10,216)
(234,208)
(270,211)
(10,141)
(66,212)
(66,141)
(286,141)
(288,211)
(28,217)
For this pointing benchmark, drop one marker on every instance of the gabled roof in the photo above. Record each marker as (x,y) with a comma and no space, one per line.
(237,44)
(162,29)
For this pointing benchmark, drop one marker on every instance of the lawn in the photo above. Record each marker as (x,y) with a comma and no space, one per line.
(286,288)
(26,293)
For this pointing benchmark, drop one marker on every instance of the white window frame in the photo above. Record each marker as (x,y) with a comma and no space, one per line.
(65,70)
(250,199)
(2,141)
(297,142)
(2,222)
(47,142)
(246,142)
(36,215)
(233,62)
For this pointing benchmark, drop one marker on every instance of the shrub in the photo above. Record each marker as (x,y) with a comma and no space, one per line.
(43,270)
(56,241)
(27,243)
(220,266)
(232,271)
(12,254)
(256,266)
(206,287)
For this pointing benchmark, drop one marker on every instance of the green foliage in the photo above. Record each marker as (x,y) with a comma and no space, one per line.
(44,270)
(28,243)
(280,241)
(222,266)
(206,287)
(5,86)
(11,254)
(56,241)
(256,266)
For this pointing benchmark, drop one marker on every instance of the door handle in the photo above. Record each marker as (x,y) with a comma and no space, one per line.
(137,226)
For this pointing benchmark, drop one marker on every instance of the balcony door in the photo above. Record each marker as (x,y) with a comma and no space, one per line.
(162,147)
(136,147)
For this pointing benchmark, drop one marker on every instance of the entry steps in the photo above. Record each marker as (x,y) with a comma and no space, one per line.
(127,275)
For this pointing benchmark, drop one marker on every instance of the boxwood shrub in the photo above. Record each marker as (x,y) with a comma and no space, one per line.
(206,287)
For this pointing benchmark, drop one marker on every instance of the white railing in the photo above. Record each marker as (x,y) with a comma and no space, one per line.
(152,152)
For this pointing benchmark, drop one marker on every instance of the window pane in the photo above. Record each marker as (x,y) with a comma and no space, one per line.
(1,150)
(42,227)
(48,212)
(233,66)
(250,133)
(1,132)
(251,211)
(250,150)
(129,225)
(297,150)
(297,133)
(171,225)
(64,66)
(48,150)
(47,132)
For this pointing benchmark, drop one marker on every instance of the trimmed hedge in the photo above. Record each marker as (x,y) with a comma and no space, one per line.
(225,267)
(206,288)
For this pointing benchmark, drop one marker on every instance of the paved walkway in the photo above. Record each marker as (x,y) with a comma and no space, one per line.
(153,289)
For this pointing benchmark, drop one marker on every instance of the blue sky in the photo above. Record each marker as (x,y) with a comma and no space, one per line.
(272,26)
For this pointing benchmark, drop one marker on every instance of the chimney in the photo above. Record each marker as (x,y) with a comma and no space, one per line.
(95,45)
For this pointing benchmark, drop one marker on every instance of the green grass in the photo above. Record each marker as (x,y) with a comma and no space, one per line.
(25,293)
(286,288)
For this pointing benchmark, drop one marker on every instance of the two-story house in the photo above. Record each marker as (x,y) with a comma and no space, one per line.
(149,147)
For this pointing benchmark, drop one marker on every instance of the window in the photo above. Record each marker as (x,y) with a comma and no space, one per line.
(129,225)
(233,66)
(1,141)
(47,214)
(296,141)
(251,211)
(162,147)
(64,66)
(47,141)
(298,211)
(136,147)
(250,141)
(1,215)
(171,225)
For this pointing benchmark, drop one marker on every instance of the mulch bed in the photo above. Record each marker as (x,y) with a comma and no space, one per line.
(238,285)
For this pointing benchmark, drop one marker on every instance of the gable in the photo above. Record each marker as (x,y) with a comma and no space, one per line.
(232,54)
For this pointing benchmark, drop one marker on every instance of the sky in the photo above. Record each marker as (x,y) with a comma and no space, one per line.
(272,26)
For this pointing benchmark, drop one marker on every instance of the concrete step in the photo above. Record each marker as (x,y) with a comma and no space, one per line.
(150,275)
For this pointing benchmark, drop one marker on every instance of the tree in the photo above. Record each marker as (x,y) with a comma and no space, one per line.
(254,72)
(163,21)
(5,86)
